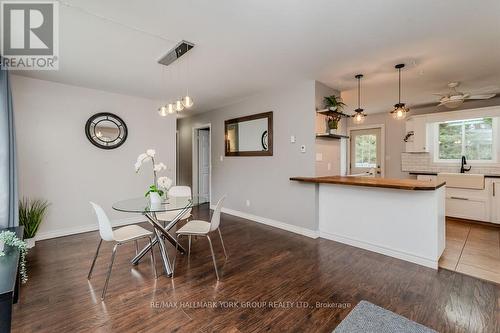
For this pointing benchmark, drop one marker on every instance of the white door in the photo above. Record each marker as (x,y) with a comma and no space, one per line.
(365,151)
(204,165)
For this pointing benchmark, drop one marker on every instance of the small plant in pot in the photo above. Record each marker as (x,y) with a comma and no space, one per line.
(160,185)
(335,104)
(31,215)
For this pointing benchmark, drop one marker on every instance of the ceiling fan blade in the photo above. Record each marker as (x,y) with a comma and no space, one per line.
(481,96)
(440,94)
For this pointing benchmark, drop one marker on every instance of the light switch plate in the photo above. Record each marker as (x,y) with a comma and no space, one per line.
(221,158)
(292,139)
(319,157)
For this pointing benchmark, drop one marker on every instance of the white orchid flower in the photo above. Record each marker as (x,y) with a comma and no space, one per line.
(164,182)
(141,157)
(137,166)
(159,167)
(151,152)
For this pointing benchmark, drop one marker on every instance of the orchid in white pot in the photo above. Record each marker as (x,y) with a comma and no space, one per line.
(161,184)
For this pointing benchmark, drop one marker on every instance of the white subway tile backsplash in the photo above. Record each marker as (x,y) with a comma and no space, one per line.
(422,162)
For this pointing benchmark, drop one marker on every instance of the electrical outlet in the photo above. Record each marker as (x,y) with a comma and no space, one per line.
(329,166)
(303,148)
(248,203)
(221,158)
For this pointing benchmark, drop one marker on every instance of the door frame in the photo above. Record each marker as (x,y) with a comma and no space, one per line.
(382,148)
(194,167)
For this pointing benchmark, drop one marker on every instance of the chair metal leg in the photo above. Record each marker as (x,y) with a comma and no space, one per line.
(95,258)
(136,247)
(153,261)
(109,272)
(213,257)
(189,245)
(175,255)
(222,242)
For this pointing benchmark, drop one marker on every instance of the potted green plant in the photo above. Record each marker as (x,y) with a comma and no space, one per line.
(10,238)
(334,103)
(31,215)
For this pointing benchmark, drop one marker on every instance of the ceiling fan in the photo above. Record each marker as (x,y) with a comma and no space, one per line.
(455,98)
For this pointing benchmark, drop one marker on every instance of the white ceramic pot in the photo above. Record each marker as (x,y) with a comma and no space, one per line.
(30,242)
(333,131)
(154,198)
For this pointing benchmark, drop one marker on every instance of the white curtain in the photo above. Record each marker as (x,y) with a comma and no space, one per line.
(8,166)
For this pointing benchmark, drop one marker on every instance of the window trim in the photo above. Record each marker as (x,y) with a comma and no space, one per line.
(495,145)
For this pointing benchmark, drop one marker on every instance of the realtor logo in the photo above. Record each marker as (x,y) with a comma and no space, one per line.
(30,35)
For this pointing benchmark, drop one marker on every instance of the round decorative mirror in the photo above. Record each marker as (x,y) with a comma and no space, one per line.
(106,130)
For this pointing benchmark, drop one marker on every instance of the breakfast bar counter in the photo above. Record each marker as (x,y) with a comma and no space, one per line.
(401,218)
(402,184)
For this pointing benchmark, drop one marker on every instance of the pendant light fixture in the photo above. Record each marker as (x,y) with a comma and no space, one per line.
(359,116)
(187,101)
(400,110)
(163,111)
(178,106)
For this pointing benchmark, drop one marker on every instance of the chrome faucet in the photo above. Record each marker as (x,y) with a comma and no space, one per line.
(462,168)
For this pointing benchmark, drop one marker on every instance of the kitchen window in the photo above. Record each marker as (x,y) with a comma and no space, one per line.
(472,138)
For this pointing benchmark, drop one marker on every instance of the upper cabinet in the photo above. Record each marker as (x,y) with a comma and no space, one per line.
(416,135)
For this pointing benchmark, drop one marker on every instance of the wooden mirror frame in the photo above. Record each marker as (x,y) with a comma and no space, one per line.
(268,152)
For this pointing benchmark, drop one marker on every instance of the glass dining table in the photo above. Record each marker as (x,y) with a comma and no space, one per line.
(143,206)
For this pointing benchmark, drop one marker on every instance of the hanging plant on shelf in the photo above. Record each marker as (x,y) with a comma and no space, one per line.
(10,238)
(160,185)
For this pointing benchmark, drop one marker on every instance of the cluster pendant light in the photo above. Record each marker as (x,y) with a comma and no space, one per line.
(400,110)
(185,102)
(359,116)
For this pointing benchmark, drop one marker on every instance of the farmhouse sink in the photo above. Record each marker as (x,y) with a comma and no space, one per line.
(461,180)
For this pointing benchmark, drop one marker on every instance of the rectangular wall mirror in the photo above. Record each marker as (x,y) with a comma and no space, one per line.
(250,135)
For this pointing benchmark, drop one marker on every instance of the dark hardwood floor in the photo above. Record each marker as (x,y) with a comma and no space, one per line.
(265,265)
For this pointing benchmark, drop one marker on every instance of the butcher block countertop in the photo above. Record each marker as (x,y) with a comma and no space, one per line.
(402,184)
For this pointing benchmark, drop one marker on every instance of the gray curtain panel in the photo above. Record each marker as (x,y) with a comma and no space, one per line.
(8,166)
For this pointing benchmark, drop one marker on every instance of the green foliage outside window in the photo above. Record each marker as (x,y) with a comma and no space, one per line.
(472,138)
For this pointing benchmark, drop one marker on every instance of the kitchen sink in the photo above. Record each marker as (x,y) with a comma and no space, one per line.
(462,180)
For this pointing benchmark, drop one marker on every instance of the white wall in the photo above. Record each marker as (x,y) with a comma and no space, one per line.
(58,163)
(263,180)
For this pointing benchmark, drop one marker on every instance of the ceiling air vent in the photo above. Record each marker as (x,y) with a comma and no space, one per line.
(178,51)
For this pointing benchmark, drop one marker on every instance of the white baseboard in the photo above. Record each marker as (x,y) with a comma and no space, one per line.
(86,228)
(380,249)
(270,222)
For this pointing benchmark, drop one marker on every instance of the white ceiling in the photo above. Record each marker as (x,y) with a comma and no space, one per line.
(243,47)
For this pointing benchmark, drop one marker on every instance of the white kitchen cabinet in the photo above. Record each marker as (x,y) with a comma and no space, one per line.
(495,201)
(417,143)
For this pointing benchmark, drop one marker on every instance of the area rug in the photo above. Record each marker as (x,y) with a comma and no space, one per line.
(369,318)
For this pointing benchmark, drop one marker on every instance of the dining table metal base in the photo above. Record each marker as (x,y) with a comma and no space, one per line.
(161,233)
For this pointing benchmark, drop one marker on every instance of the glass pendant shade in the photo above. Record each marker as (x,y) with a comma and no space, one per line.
(359,117)
(187,102)
(400,111)
(163,111)
(170,108)
(178,106)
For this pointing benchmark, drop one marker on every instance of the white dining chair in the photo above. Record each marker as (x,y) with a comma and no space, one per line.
(119,236)
(203,228)
(175,191)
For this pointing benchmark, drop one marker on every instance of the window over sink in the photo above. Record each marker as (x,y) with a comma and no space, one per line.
(472,138)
